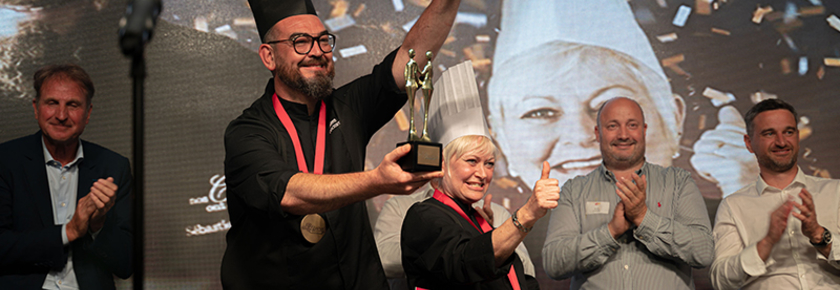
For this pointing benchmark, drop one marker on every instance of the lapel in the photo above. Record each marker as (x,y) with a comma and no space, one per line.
(86,171)
(36,178)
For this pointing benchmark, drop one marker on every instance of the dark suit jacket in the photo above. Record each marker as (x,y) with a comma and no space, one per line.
(30,242)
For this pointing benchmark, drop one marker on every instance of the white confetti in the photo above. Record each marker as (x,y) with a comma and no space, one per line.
(834,22)
(339,23)
(682,16)
(803,65)
(477,20)
(718,98)
(398,5)
(352,51)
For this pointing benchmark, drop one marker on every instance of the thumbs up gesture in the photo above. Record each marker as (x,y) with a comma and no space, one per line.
(545,196)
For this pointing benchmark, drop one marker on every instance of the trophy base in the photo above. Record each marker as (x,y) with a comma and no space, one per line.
(423,157)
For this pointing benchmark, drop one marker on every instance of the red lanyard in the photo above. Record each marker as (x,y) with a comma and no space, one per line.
(485,227)
(320,144)
(445,199)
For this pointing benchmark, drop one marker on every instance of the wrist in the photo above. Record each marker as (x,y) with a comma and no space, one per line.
(822,237)
(614,231)
(638,219)
(523,227)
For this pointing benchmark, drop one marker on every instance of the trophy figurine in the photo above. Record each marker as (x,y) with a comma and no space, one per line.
(426,87)
(424,155)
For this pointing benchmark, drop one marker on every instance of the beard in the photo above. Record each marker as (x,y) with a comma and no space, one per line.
(778,166)
(620,162)
(22,54)
(317,88)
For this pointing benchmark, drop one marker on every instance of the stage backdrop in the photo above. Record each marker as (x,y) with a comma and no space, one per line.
(543,67)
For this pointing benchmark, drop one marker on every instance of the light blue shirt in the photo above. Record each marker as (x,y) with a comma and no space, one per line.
(64,184)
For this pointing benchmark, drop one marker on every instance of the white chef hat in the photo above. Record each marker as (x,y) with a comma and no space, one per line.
(455,109)
(610,24)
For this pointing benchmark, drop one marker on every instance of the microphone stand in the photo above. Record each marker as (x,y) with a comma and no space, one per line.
(136,29)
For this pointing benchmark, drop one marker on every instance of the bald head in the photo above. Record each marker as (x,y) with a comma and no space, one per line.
(619,101)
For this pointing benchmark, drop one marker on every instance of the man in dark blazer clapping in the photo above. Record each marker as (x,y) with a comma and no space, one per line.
(65,207)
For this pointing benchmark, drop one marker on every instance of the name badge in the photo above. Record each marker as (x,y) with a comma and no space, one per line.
(597,207)
(313,228)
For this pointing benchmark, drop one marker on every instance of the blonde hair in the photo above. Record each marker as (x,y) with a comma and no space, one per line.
(468,143)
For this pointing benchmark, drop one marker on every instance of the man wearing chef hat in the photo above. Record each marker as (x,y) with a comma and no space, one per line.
(294,159)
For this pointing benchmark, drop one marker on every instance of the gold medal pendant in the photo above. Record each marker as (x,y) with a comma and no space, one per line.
(313,227)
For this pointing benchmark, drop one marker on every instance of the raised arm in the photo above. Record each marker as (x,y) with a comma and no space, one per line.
(427,34)
(508,236)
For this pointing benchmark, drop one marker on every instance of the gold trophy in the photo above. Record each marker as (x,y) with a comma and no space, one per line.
(425,155)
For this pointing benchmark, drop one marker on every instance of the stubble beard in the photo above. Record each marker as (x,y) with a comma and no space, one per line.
(778,166)
(317,88)
(622,162)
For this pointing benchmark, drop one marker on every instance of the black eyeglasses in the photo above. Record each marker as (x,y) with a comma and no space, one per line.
(303,42)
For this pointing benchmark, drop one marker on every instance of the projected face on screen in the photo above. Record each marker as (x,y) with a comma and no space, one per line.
(554,116)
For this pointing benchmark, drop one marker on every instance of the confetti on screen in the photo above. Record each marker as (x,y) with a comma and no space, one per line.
(718,98)
(759,13)
(682,16)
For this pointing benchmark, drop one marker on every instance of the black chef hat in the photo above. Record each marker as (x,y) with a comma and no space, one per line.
(269,12)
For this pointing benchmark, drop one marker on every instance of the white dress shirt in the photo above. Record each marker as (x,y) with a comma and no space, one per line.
(743,219)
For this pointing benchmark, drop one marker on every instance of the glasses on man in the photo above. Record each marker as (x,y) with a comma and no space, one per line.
(303,43)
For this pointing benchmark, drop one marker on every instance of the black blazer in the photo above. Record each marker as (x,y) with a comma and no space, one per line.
(30,242)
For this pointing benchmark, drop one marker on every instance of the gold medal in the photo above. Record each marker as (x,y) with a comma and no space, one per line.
(313,227)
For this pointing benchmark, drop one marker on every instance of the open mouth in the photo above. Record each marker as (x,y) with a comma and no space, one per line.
(476,185)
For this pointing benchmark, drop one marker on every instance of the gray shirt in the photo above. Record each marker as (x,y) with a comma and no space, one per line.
(674,236)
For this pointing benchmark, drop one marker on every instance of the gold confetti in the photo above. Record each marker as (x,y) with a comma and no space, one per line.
(760,12)
(773,16)
(339,8)
(805,132)
(244,21)
(785,63)
(482,64)
(811,11)
(701,123)
(822,173)
(703,7)
(677,69)
(389,28)
(420,3)
(475,53)
(821,72)
(359,10)
(673,60)
(785,27)
(449,39)
(505,182)
(721,31)
(832,61)
(402,120)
